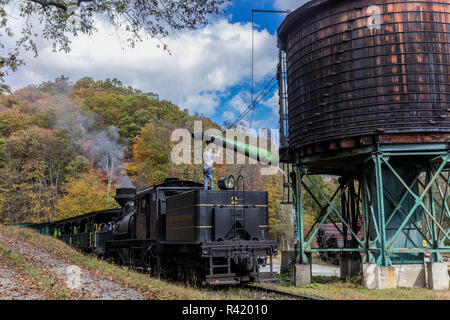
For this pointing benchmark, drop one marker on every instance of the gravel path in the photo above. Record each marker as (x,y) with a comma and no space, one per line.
(90,285)
(11,286)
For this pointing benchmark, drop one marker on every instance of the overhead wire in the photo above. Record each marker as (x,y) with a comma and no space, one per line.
(255,101)
(261,95)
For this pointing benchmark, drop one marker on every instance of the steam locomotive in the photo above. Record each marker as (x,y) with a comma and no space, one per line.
(180,231)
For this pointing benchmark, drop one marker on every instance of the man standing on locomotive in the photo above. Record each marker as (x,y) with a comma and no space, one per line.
(208,162)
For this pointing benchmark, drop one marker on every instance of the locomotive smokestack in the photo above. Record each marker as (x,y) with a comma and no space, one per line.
(123,195)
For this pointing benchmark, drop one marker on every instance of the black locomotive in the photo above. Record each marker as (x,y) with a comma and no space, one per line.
(180,231)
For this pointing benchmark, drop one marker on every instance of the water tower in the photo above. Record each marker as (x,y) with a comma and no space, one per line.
(365,96)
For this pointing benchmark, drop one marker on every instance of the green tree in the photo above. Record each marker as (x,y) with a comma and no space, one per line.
(129,112)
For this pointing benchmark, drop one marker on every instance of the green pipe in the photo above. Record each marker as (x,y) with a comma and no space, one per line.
(253,152)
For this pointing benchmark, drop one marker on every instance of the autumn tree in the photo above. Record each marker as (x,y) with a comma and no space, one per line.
(84,194)
(57,20)
(53,133)
(151,153)
(3,152)
(23,196)
(34,145)
(280,216)
(11,121)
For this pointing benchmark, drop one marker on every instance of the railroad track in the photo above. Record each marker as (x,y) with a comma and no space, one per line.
(283,293)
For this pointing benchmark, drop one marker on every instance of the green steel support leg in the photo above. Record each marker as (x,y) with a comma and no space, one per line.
(323,212)
(300,249)
(333,208)
(367,217)
(383,259)
(443,210)
(435,256)
(390,197)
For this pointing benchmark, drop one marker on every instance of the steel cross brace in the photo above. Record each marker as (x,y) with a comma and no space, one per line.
(418,199)
(381,158)
(304,242)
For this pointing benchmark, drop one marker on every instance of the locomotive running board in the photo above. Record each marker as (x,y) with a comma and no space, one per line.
(220,279)
(127,243)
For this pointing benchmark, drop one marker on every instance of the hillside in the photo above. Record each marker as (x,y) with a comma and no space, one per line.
(65,146)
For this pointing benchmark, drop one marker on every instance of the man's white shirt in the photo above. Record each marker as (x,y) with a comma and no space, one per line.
(208,159)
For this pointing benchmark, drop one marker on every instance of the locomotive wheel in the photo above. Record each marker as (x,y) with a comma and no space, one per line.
(155,267)
(192,276)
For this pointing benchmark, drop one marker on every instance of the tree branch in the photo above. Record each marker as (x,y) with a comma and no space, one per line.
(81,1)
(50,3)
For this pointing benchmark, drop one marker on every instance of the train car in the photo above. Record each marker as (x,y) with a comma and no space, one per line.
(87,232)
(329,237)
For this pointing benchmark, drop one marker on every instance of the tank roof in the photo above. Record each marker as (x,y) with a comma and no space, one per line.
(299,12)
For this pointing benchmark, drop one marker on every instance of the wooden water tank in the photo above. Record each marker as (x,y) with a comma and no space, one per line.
(347,78)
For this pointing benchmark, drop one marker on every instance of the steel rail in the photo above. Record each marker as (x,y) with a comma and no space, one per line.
(282,292)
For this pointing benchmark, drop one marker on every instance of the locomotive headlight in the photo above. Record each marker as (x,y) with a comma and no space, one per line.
(227,183)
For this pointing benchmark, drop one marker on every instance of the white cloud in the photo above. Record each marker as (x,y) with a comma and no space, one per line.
(240,101)
(202,66)
(273,102)
(204,102)
(228,115)
(289,4)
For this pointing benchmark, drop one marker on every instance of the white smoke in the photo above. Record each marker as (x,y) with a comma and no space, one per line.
(104,147)
(107,148)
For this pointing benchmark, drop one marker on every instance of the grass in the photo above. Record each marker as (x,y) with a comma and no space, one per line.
(332,287)
(49,286)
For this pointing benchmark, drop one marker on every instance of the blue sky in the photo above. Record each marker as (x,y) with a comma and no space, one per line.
(207,72)
(241,12)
